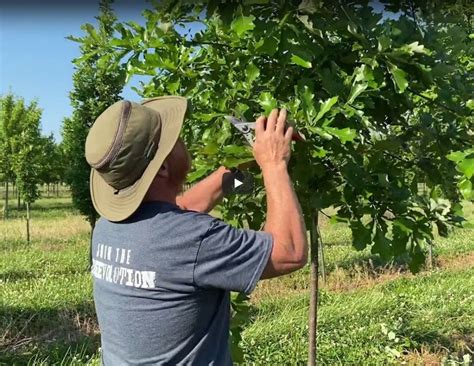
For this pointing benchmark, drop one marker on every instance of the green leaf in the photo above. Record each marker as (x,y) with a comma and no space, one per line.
(399,78)
(299,61)
(356,90)
(252,72)
(89,28)
(306,92)
(457,156)
(344,134)
(267,102)
(232,162)
(470,104)
(381,244)
(197,174)
(465,186)
(242,24)
(384,43)
(211,148)
(414,48)
(467,167)
(318,152)
(325,107)
(236,150)
(361,235)
(269,45)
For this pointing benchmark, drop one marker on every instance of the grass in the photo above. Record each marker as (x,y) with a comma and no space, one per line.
(375,326)
(370,312)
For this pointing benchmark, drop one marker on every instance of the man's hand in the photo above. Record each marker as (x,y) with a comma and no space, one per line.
(272,145)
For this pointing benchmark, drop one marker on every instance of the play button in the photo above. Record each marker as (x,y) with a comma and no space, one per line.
(237,182)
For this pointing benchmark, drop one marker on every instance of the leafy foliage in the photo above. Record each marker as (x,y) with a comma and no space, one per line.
(20,149)
(380,101)
(26,160)
(52,161)
(97,85)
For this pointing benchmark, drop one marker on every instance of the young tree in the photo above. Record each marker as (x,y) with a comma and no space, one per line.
(97,85)
(27,158)
(13,113)
(381,102)
(7,126)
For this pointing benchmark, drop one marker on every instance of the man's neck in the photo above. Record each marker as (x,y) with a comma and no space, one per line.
(164,194)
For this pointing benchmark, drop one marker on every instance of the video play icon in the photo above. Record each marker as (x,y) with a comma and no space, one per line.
(237,182)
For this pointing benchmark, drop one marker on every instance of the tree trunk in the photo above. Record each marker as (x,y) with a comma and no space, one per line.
(57,190)
(5,209)
(48,189)
(321,248)
(313,303)
(28,222)
(18,200)
(430,254)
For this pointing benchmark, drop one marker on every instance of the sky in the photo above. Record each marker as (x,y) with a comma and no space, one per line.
(35,56)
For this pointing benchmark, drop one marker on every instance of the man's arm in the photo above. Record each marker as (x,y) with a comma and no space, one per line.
(285,220)
(205,195)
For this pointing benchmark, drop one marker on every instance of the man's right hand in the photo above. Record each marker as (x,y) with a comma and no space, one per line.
(272,147)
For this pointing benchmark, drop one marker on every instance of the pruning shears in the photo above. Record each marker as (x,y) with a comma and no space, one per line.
(247,128)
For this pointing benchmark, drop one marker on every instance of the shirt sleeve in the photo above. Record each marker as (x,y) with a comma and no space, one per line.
(231,259)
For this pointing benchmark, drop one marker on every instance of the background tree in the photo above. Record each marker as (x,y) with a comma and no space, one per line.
(97,85)
(380,100)
(27,158)
(9,128)
(51,162)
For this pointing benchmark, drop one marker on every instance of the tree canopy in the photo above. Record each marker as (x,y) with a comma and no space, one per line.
(97,85)
(383,106)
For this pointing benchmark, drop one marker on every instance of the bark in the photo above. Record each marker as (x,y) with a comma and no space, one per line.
(5,209)
(313,303)
(28,222)
(321,253)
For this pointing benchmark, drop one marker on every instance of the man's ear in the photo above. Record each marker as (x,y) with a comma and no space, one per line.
(164,170)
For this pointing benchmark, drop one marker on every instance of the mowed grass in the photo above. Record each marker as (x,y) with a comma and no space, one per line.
(370,312)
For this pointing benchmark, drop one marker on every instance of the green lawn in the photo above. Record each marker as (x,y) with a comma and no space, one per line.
(370,312)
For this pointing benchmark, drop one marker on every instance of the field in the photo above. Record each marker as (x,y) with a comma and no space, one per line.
(370,312)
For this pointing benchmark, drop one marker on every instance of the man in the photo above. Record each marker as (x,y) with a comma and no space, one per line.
(162,267)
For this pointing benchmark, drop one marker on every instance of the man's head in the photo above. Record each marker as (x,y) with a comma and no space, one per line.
(132,145)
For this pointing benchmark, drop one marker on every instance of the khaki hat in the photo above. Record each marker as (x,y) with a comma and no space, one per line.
(126,147)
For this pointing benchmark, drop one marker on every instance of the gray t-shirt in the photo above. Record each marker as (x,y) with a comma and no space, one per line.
(161,285)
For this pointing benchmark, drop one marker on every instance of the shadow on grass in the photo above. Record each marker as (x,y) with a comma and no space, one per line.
(371,263)
(436,342)
(48,335)
(57,206)
(13,276)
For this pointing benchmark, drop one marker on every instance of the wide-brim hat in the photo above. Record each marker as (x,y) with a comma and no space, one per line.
(126,147)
